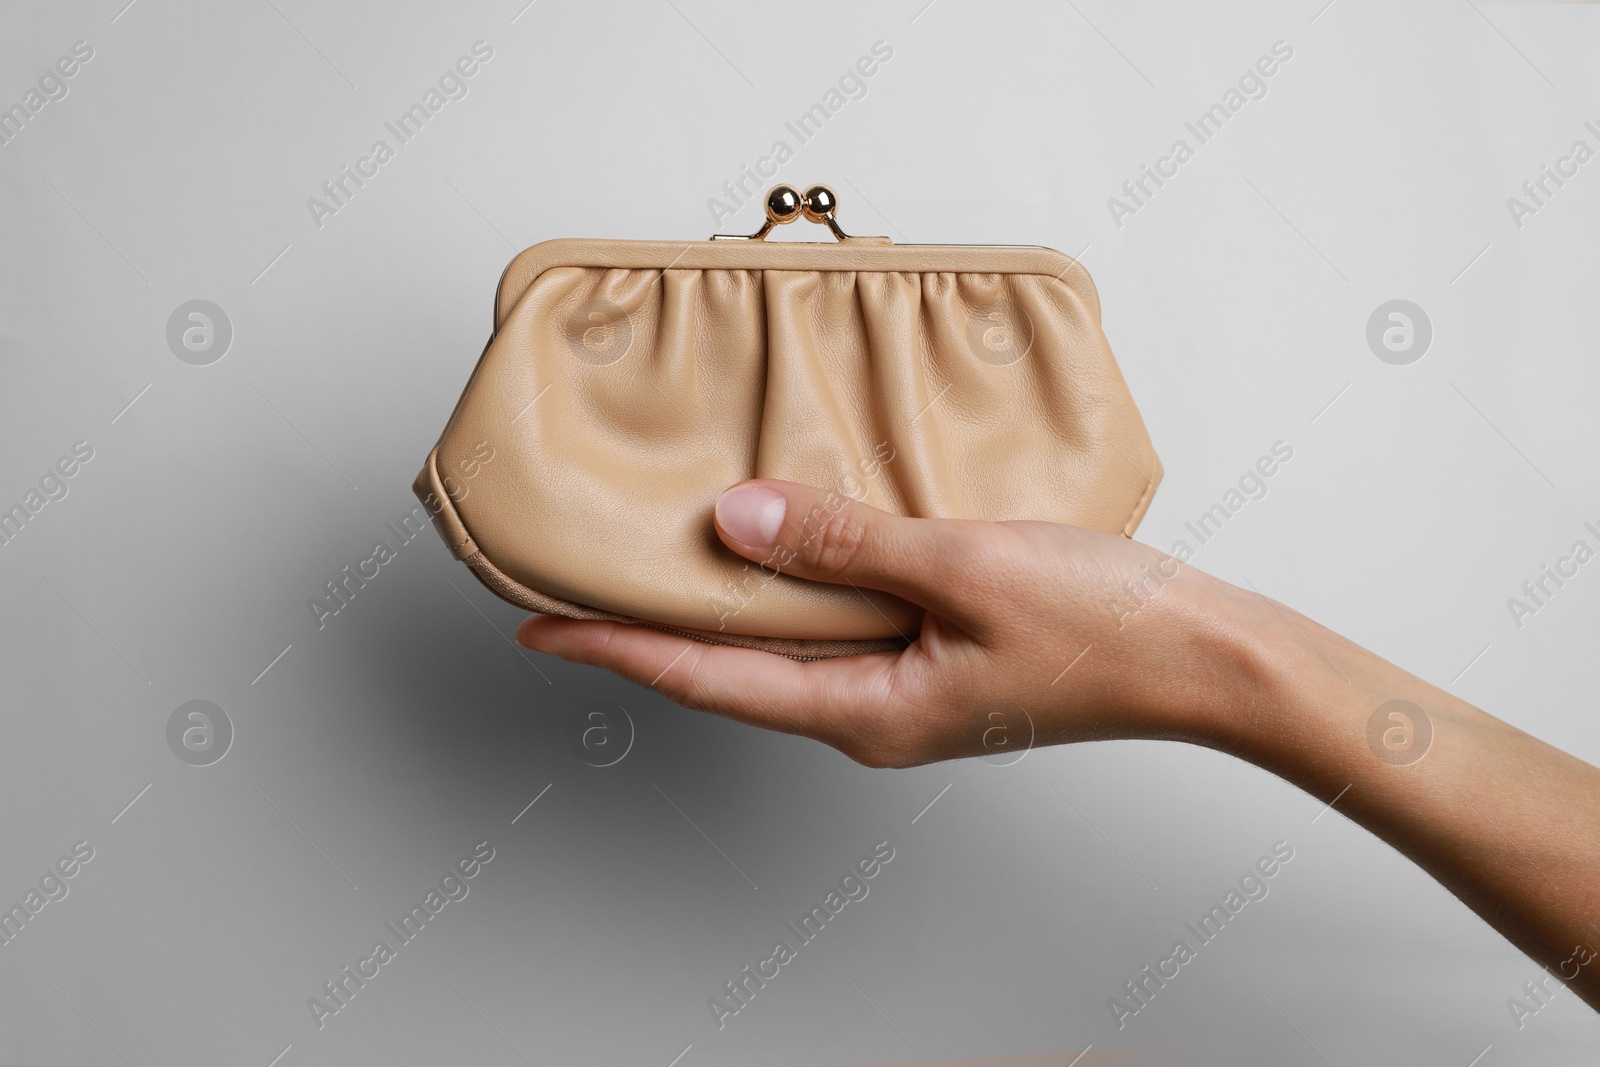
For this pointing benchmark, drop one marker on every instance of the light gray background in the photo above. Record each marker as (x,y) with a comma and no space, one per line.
(376,751)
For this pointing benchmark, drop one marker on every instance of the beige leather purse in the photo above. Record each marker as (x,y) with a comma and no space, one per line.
(628,383)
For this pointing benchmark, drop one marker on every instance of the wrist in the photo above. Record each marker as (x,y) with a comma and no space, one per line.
(1315,709)
(1219,670)
(1275,692)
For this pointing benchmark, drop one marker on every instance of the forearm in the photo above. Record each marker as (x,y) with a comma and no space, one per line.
(1508,823)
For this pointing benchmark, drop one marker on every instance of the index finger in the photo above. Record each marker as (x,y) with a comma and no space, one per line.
(815,699)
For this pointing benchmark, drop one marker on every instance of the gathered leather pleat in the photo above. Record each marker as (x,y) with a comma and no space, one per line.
(619,403)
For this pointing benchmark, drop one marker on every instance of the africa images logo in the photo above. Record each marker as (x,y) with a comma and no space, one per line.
(453,84)
(852,888)
(1251,886)
(1001,335)
(341,989)
(52,86)
(599,333)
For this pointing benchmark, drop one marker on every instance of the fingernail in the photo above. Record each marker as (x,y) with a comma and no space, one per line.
(751,515)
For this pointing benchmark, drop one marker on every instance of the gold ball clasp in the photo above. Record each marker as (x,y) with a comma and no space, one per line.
(784,204)
(820,203)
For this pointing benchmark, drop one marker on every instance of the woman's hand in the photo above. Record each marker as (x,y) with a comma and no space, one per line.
(1087,633)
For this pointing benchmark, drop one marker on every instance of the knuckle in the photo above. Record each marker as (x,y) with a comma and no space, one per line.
(977,554)
(831,543)
(993,570)
(887,752)
(681,681)
(870,749)
(869,756)
(881,739)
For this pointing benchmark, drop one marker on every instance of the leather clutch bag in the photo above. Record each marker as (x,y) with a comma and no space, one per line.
(628,383)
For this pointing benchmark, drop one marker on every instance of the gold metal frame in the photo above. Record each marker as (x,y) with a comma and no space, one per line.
(785,205)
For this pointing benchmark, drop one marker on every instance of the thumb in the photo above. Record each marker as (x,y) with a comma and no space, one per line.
(828,537)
